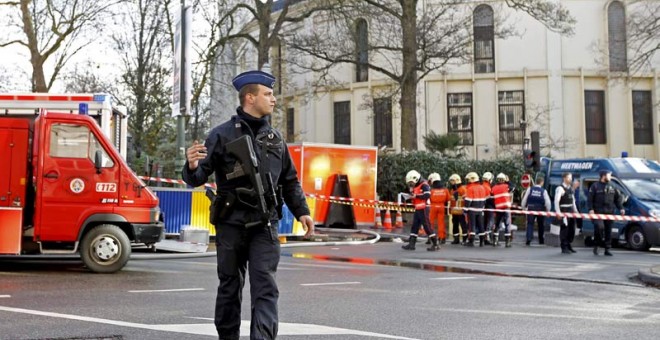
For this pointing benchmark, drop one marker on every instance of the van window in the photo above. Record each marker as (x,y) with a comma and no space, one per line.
(76,141)
(647,189)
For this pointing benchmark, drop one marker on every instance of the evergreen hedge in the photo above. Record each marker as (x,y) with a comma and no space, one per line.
(393,167)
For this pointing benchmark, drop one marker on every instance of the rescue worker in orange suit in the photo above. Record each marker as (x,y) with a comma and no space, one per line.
(420,193)
(439,198)
(489,216)
(475,201)
(457,191)
(502,200)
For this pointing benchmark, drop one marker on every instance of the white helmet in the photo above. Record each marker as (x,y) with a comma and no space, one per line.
(488,176)
(472,177)
(455,179)
(434,177)
(501,177)
(412,176)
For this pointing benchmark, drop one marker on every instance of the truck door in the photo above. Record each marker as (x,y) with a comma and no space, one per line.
(71,188)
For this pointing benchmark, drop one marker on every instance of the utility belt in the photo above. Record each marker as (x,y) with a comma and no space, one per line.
(229,200)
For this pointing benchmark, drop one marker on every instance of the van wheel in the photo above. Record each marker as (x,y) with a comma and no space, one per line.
(105,249)
(636,238)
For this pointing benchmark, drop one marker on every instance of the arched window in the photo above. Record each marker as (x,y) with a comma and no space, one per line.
(616,32)
(362,50)
(484,44)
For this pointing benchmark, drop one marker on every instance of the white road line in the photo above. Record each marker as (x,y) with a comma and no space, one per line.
(548,315)
(5,296)
(166,290)
(453,278)
(209,328)
(330,283)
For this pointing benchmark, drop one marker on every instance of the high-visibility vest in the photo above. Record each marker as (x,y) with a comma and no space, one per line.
(419,203)
(502,196)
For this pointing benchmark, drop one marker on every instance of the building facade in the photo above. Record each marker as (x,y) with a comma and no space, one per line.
(577,91)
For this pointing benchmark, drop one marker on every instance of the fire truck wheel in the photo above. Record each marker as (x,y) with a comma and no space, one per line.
(105,249)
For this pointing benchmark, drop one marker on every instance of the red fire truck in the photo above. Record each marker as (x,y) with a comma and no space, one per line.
(65,189)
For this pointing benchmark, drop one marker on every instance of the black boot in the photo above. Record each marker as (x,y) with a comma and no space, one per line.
(496,238)
(487,240)
(607,252)
(455,241)
(435,246)
(507,241)
(442,241)
(481,241)
(470,241)
(411,243)
(570,248)
(428,240)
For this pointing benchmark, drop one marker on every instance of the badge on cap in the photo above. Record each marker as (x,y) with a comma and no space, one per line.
(253,77)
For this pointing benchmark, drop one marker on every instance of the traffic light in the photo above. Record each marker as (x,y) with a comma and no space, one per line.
(529,157)
(536,151)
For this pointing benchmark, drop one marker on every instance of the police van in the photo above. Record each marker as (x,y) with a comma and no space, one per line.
(636,178)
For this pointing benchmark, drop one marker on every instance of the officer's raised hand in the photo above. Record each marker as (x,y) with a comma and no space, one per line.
(194,154)
(308,225)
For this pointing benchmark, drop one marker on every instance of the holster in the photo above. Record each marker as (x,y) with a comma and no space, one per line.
(221,206)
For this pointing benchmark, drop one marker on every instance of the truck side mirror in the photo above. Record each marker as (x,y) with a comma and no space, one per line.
(98,161)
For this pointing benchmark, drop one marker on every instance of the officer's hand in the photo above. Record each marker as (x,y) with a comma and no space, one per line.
(308,225)
(623,212)
(591,212)
(194,154)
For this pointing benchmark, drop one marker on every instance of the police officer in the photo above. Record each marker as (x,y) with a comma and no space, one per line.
(237,244)
(565,202)
(603,198)
(420,193)
(536,198)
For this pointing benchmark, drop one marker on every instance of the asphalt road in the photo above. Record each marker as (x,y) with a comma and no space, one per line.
(349,292)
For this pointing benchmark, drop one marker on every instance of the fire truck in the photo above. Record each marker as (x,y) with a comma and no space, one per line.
(112,119)
(66,189)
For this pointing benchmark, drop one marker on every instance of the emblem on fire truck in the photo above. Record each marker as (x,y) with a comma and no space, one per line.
(77,185)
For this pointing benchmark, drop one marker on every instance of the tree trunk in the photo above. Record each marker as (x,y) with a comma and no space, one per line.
(408,81)
(264,12)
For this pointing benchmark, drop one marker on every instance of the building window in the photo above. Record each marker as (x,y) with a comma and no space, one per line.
(594,115)
(362,50)
(512,111)
(290,125)
(484,43)
(342,122)
(383,122)
(459,109)
(616,31)
(642,117)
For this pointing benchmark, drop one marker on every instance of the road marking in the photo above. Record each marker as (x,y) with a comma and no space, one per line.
(208,329)
(547,315)
(453,278)
(5,296)
(331,283)
(166,290)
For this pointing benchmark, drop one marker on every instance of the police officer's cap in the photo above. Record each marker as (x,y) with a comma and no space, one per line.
(604,172)
(253,77)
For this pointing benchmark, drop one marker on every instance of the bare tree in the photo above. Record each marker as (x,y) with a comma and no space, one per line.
(146,57)
(644,35)
(408,41)
(52,29)
(86,78)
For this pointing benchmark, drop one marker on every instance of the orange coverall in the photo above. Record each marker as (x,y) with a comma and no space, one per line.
(439,199)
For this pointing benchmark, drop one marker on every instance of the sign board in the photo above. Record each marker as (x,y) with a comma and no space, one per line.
(525,181)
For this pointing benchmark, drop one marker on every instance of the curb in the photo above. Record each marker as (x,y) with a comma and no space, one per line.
(650,275)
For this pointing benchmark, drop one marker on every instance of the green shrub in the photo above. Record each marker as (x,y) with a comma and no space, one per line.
(392,169)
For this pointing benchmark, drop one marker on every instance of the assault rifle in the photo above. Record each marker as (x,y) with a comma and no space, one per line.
(248,165)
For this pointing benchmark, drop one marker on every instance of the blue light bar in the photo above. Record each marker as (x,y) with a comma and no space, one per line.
(83,109)
(99,97)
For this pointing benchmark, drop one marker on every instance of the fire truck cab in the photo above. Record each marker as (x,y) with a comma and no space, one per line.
(65,189)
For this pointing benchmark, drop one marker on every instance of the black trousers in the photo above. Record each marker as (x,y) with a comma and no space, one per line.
(421,219)
(256,249)
(603,232)
(456,222)
(567,233)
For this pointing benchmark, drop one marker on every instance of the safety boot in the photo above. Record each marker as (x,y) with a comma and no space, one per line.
(470,241)
(442,241)
(487,240)
(496,239)
(411,243)
(481,241)
(607,252)
(435,246)
(507,241)
(455,241)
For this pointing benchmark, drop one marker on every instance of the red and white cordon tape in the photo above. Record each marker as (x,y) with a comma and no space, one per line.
(576,215)
(385,205)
